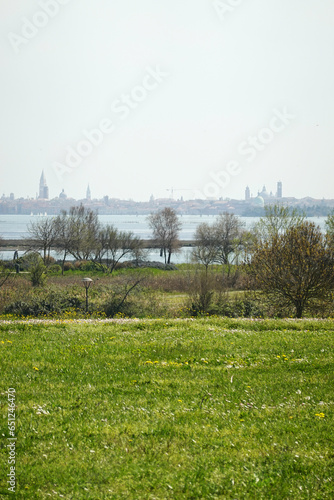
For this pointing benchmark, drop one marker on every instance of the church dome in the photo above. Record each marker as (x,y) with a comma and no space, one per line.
(258,201)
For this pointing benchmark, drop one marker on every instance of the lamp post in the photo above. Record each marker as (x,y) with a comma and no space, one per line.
(87,282)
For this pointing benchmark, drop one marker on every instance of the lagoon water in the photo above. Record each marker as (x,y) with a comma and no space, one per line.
(16,227)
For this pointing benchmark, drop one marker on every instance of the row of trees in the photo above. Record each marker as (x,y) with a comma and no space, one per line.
(285,257)
(79,234)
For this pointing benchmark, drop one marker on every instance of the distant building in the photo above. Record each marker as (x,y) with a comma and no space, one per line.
(43,188)
(263,193)
(279,190)
(88,193)
(258,201)
(63,195)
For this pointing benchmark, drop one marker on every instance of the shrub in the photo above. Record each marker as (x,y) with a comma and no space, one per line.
(113,306)
(238,308)
(87,265)
(49,261)
(34,263)
(55,268)
(54,302)
(68,266)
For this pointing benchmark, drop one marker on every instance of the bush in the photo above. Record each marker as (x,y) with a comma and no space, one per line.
(238,308)
(68,266)
(34,263)
(7,264)
(113,306)
(49,261)
(55,268)
(53,303)
(38,275)
(87,265)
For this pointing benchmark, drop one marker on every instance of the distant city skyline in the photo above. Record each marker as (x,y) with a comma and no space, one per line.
(43,193)
(44,190)
(140,98)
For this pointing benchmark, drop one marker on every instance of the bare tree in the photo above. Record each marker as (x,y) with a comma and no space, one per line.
(229,238)
(113,245)
(84,228)
(166,228)
(205,250)
(77,233)
(223,242)
(64,239)
(44,234)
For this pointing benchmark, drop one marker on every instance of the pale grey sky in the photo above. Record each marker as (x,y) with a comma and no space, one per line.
(203,96)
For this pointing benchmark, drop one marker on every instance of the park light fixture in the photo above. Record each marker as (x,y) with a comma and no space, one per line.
(87,282)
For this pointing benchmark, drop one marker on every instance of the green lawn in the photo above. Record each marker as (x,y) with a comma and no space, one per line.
(169,409)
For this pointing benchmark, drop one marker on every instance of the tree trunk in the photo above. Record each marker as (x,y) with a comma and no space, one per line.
(299,310)
(63,264)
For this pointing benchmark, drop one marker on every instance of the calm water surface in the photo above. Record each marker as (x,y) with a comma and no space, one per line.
(16,227)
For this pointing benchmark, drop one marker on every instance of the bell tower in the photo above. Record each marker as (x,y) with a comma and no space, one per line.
(43,188)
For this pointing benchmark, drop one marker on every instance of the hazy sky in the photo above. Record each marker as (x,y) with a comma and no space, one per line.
(135,97)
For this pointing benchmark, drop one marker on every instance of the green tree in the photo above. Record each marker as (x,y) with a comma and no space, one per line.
(293,267)
(330,228)
(277,220)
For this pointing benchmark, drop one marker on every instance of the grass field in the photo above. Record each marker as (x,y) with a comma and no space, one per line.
(168,409)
